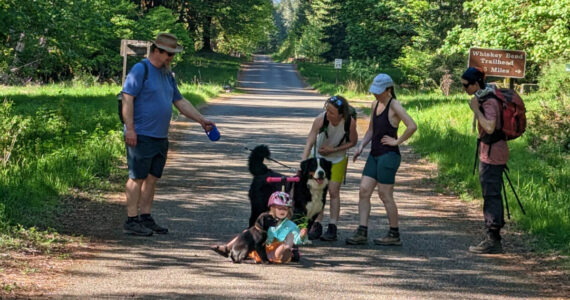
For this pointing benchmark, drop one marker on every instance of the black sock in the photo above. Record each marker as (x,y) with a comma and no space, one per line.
(145,216)
(132,219)
(394,231)
(495,234)
(363,229)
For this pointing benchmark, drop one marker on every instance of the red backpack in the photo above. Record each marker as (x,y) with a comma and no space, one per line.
(514,113)
(513,117)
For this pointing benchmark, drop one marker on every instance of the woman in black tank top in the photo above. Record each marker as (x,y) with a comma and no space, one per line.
(384,159)
(381,127)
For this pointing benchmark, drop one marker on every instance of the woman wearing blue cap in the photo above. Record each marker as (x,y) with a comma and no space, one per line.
(384,159)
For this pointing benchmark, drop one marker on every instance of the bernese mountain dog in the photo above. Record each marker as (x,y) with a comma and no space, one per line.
(308,194)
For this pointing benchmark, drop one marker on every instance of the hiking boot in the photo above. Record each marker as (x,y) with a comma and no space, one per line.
(358,238)
(330,235)
(391,239)
(487,246)
(148,222)
(316,231)
(136,228)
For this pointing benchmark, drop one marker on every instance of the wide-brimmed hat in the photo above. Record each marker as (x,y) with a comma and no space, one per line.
(167,42)
(380,84)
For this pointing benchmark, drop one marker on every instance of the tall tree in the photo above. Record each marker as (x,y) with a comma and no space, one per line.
(310,41)
(376,29)
(334,31)
(431,20)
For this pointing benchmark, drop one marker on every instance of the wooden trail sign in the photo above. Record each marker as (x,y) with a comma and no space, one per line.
(133,48)
(498,63)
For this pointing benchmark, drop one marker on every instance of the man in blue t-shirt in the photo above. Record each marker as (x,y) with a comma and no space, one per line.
(147,110)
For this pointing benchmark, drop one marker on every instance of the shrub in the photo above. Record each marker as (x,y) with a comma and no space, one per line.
(549,128)
(555,80)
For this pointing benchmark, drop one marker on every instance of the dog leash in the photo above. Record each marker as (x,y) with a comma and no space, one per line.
(274,160)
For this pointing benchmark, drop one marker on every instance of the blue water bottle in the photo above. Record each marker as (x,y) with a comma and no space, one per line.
(213,134)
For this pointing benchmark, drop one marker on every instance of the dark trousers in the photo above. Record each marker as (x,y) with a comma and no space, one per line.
(491,179)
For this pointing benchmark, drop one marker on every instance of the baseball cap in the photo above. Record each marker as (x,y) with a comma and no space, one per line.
(380,83)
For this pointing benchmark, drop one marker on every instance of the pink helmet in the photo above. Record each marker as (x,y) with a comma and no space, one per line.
(280,198)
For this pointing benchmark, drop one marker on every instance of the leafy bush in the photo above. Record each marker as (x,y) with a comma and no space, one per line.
(415,66)
(549,128)
(555,80)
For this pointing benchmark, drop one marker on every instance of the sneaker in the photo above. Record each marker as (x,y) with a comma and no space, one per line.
(136,228)
(330,235)
(316,231)
(389,240)
(358,238)
(148,222)
(487,246)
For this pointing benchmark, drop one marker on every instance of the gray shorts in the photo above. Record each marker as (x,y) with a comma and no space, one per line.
(147,157)
(383,168)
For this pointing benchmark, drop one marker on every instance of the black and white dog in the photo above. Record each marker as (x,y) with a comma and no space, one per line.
(308,194)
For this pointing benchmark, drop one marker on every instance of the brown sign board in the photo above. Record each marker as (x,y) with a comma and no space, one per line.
(498,63)
(134,48)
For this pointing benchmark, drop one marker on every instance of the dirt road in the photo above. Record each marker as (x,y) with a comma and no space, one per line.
(202,199)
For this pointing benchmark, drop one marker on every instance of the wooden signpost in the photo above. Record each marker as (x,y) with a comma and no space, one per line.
(133,48)
(499,63)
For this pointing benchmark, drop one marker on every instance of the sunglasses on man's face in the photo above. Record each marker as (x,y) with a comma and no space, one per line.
(466,85)
(170,54)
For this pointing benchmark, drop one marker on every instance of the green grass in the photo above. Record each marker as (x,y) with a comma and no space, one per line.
(71,139)
(541,176)
(66,137)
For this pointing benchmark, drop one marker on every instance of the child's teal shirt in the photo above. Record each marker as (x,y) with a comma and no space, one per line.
(281,231)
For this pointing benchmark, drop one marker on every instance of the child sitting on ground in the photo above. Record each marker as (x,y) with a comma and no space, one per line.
(280,233)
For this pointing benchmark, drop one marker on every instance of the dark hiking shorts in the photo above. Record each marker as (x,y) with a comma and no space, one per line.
(383,168)
(147,157)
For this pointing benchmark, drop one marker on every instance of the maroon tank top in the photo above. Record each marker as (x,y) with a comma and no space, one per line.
(380,127)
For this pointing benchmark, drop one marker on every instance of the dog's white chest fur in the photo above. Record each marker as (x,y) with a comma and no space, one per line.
(316,205)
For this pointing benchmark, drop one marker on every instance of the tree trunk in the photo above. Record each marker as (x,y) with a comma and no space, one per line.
(206,35)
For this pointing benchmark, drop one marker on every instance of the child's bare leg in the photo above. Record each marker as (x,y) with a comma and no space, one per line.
(224,250)
(231,243)
(284,252)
